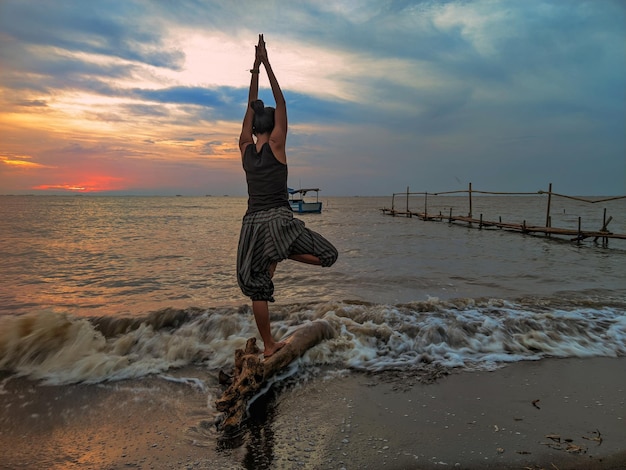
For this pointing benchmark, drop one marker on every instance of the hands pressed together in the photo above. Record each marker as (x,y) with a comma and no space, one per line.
(260,56)
(261,51)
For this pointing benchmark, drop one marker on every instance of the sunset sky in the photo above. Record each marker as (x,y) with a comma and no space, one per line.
(147,97)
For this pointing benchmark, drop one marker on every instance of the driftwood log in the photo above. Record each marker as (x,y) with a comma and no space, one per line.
(252,370)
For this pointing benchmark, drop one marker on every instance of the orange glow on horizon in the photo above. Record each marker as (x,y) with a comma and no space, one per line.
(92,185)
(57,142)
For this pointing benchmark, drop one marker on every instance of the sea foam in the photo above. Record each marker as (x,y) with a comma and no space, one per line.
(464,333)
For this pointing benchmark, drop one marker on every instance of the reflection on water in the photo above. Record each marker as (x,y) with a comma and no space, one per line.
(257,435)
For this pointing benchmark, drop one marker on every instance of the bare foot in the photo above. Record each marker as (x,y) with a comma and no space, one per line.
(270,351)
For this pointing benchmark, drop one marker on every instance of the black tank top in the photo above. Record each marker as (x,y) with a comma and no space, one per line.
(266,177)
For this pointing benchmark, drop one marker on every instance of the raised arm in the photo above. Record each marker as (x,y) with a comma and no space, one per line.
(278,137)
(245,137)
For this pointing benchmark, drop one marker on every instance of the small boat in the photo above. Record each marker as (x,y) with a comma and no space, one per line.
(299,205)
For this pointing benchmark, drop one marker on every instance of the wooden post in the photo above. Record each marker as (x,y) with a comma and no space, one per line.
(450,218)
(579,234)
(470,204)
(407,199)
(605,240)
(548,219)
(480,225)
(393,202)
(426,205)
(605,223)
(595,240)
(549,201)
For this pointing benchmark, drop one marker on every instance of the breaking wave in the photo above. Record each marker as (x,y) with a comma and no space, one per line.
(58,348)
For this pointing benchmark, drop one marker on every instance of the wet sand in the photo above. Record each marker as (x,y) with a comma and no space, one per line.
(557,413)
(553,414)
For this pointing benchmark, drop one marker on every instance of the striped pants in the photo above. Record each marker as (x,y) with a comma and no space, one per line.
(271,236)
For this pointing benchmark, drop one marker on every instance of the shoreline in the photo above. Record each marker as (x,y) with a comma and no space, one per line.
(553,413)
(466,420)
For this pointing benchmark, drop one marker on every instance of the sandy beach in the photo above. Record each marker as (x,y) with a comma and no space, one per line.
(555,413)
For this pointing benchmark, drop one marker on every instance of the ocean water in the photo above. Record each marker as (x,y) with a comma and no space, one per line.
(97,290)
(80,276)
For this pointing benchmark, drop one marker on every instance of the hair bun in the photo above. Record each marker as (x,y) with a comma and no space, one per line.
(258,106)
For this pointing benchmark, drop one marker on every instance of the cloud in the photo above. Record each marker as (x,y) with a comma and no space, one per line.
(20,162)
(110,28)
(222,98)
(380,94)
(32,103)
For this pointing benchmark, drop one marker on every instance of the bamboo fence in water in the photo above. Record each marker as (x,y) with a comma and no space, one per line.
(602,235)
